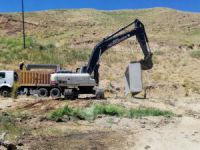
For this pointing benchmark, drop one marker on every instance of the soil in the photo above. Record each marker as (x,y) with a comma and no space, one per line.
(181,132)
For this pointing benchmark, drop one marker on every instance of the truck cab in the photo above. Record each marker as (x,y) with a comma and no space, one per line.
(7,79)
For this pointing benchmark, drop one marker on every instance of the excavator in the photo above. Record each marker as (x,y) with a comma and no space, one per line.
(86,79)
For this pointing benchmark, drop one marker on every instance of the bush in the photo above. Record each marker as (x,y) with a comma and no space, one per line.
(92,112)
(61,112)
(69,111)
(195,54)
(141,112)
(114,110)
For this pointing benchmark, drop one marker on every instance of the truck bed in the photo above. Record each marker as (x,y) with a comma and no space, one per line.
(33,78)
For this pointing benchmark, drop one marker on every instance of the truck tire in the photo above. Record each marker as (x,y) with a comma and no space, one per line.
(5,91)
(100,94)
(43,92)
(71,94)
(74,96)
(55,93)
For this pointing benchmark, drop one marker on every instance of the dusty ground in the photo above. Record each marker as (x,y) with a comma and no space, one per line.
(179,133)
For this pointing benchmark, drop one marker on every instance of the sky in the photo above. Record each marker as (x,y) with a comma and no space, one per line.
(36,5)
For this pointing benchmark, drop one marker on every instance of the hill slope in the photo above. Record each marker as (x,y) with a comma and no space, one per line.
(68,36)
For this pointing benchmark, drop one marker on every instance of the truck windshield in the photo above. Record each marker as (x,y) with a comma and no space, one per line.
(2,75)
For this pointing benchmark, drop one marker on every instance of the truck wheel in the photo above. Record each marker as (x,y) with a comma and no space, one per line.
(55,93)
(71,94)
(5,92)
(100,94)
(42,92)
(74,96)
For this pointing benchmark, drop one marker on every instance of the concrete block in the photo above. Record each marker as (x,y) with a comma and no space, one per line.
(133,78)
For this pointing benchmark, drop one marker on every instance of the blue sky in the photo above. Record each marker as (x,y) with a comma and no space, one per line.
(35,5)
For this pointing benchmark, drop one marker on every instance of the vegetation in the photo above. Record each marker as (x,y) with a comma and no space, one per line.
(39,53)
(141,112)
(8,124)
(195,54)
(110,110)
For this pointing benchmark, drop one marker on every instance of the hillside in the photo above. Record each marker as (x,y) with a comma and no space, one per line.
(67,37)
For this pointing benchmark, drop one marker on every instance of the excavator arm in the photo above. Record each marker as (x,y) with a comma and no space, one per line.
(116,38)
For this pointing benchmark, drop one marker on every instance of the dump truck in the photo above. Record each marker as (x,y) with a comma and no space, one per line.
(34,79)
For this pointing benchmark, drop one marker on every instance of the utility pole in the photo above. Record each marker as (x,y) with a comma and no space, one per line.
(23,25)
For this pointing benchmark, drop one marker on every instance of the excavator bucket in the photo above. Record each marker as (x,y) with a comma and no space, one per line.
(133,78)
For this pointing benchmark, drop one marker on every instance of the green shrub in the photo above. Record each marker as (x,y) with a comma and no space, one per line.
(66,110)
(92,112)
(114,110)
(195,54)
(141,112)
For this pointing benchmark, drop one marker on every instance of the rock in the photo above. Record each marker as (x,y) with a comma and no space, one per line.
(65,118)
(18,119)
(191,46)
(142,126)
(11,147)
(148,129)
(142,122)
(179,115)
(73,118)
(5,143)
(147,147)
(5,114)
(59,120)
(196,116)
(166,121)
(81,117)
(99,116)
(20,144)
(157,125)
(172,121)
(42,118)
(117,88)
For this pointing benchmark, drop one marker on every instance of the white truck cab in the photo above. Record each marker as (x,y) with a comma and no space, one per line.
(7,79)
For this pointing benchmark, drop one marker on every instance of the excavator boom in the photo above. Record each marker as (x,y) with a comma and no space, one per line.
(116,38)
